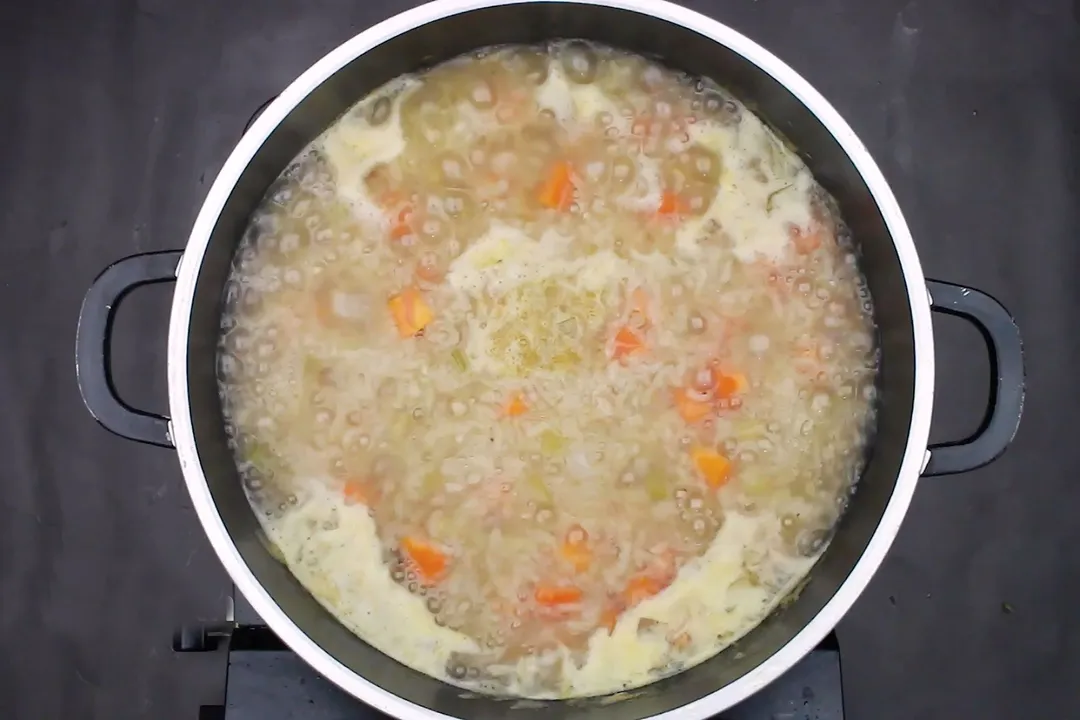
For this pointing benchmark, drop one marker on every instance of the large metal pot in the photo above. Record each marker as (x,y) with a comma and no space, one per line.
(686,40)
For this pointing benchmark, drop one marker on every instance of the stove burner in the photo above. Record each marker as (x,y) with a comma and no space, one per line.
(267,681)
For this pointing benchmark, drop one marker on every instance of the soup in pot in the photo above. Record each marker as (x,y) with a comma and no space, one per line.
(548,371)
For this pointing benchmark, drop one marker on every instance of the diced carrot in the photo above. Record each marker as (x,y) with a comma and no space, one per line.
(557,192)
(575,549)
(670,204)
(805,241)
(356,491)
(577,555)
(609,617)
(400,227)
(713,466)
(728,385)
(411,314)
(515,405)
(430,562)
(642,587)
(552,595)
(627,342)
(690,409)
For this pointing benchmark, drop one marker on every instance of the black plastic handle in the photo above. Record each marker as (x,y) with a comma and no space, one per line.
(1006,379)
(92,362)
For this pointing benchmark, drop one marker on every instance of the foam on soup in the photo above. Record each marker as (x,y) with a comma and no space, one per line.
(549,370)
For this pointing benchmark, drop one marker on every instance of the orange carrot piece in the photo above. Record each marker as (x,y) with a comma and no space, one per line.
(609,617)
(670,204)
(557,192)
(728,385)
(805,241)
(356,491)
(690,409)
(575,549)
(577,555)
(627,342)
(400,227)
(430,562)
(552,595)
(714,467)
(515,405)
(411,314)
(642,587)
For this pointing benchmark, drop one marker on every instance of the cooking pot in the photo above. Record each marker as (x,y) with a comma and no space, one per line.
(687,41)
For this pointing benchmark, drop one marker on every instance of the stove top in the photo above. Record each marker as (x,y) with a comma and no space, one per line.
(267,681)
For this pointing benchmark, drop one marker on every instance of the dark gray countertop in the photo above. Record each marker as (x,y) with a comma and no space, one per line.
(116,116)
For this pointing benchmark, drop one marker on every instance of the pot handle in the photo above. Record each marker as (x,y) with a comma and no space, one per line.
(1006,402)
(92,346)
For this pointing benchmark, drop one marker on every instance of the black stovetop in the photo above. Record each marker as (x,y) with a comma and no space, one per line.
(267,681)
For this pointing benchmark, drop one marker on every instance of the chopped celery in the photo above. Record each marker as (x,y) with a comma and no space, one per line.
(755,482)
(656,486)
(400,426)
(537,483)
(566,359)
(552,442)
(313,369)
(261,457)
(748,429)
(460,360)
(433,482)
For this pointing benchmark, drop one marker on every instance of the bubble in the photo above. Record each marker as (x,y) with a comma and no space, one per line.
(580,63)
(290,243)
(652,76)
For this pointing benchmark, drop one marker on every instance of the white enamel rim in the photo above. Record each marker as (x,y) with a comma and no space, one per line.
(188,270)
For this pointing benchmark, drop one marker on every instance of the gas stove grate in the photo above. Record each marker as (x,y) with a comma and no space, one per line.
(266,681)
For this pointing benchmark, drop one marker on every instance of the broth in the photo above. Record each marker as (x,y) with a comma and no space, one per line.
(549,370)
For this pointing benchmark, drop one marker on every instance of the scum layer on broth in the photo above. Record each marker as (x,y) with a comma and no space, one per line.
(548,371)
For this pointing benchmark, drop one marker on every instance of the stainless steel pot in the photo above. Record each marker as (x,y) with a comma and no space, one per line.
(685,40)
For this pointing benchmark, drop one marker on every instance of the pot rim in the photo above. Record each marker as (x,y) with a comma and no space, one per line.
(188,270)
